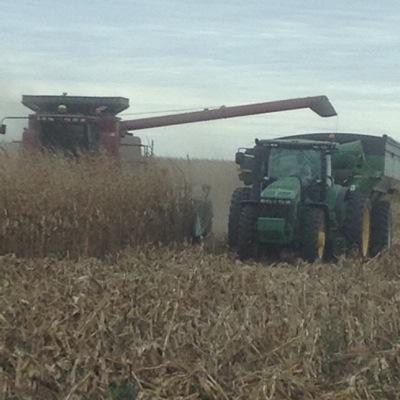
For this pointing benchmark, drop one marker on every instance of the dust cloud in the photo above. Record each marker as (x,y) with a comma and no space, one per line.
(222,176)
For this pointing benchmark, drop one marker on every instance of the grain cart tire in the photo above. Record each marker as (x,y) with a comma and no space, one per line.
(381,225)
(357,224)
(238,195)
(314,243)
(247,232)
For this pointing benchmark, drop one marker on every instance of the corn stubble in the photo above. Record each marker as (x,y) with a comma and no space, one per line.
(187,324)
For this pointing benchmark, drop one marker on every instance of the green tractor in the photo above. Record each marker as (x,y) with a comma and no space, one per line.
(320,194)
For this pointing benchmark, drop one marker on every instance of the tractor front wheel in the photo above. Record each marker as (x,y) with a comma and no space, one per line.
(314,241)
(247,232)
(238,196)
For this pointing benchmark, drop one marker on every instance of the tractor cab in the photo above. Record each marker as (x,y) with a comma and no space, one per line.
(289,191)
(282,170)
(73,125)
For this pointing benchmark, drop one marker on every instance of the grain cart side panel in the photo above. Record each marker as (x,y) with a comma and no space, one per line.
(392,159)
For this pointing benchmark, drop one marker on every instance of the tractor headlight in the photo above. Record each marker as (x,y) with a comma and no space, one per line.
(284,202)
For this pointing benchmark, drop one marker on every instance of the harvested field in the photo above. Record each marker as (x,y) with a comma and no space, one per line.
(177,322)
(190,325)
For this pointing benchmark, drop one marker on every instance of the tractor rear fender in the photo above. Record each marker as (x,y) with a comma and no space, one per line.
(377,195)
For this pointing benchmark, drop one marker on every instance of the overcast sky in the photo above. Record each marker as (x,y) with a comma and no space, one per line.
(180,54)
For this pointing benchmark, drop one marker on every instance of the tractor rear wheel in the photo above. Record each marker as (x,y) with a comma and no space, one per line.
(314,243)
(238,196)
(247,232)
(357,225)
(381,222)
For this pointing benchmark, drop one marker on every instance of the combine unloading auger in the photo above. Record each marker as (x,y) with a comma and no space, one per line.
(319,104)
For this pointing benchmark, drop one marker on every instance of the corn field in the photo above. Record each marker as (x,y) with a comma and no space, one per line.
(57,207)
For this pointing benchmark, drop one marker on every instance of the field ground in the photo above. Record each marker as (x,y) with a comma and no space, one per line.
(180,322)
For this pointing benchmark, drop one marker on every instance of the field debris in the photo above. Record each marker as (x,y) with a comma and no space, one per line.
(191,325)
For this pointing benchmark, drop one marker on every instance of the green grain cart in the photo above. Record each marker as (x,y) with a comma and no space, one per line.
(321,194)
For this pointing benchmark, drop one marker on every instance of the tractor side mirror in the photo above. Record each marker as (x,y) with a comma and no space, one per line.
(3,129)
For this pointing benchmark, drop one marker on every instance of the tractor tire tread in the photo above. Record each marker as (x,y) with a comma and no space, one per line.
(239,194)
(247,234)
(353,221)
(313,218)
(381,226)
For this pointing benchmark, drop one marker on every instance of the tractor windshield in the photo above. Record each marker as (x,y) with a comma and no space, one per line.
(305,163)
(69,138)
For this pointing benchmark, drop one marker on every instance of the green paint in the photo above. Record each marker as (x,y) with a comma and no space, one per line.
(287,188)
(273,230)
(283,202)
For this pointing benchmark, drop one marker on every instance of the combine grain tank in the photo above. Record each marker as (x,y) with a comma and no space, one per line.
(73,124)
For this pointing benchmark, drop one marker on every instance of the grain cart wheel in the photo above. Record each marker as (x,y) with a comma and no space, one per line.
(314,235)
(357,225)
(381,224)
(247,232)
(239,195)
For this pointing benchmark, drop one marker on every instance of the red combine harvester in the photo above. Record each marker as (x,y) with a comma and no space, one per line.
(76,124)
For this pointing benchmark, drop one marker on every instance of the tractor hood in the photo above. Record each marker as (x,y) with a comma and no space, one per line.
(285,189)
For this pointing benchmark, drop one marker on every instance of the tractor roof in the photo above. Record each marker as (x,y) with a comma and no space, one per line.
(298,143)
(335,137)
(372,144)
(76,104)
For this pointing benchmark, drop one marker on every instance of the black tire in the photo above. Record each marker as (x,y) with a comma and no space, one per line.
(314,243)
(239,195)
(247,232)
(357,224)
(381,220)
